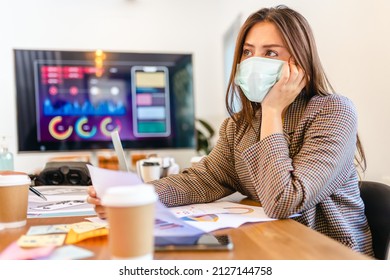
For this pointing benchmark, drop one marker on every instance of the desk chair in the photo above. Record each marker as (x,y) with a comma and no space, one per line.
(376,198)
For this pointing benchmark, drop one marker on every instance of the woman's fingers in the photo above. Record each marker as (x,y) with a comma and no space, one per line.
(302,81)
(285,74)
(91,191)
(291,75)
(100,211)
(93,200)
(92,197)
(296,81)
(294,73)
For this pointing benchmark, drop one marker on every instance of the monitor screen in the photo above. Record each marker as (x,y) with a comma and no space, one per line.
(73,100)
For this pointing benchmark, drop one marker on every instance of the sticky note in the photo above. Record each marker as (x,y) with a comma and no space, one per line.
(46,229)
(41,240)
(14,252)
(69,252)
(80,227)
(74,237)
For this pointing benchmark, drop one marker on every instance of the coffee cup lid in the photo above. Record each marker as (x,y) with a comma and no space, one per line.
(150,163)
(122,196)
(14,179)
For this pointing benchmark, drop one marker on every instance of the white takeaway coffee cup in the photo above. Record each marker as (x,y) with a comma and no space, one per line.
(131,214)
(13,199)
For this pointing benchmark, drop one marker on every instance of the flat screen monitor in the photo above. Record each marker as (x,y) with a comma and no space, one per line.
(73,100)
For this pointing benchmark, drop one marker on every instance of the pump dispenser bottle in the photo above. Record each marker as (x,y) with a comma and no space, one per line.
(6,157)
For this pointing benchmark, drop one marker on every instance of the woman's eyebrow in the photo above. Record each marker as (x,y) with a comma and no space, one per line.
(273,46)
(248,45)
(264,46)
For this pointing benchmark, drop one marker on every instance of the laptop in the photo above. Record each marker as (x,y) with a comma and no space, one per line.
(116,141)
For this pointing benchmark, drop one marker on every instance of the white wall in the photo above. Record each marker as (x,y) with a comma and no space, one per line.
(116,25)
(352,37)
(354,45)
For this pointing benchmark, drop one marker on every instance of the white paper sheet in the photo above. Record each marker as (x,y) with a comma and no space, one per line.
(105,178)
(217,215)
(61,201)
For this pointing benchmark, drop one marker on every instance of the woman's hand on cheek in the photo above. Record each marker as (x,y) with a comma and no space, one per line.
(284,92)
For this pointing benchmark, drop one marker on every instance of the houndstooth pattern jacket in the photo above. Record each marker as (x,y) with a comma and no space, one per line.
(309,169)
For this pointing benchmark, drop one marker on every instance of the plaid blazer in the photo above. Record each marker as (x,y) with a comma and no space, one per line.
(309,169)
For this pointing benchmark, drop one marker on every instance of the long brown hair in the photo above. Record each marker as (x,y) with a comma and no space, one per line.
(299,40)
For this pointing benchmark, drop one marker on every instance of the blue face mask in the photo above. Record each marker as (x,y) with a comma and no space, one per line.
(256,76)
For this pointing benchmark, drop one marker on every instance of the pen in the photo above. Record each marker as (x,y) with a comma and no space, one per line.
(35,191)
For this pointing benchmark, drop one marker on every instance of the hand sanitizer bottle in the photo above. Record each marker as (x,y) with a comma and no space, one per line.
(6,157)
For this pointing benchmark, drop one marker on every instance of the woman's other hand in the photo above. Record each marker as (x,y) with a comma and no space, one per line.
(93,199)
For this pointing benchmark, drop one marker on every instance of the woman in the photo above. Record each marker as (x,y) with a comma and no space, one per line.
(292,144)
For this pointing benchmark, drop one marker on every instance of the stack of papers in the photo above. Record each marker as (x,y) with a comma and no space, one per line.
(61,201)
(217,215)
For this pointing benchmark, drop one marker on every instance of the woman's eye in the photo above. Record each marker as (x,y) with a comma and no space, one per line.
(271,53)
(247,52)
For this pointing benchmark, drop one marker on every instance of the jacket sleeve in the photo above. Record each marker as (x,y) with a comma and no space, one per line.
(211,179)
(289,185)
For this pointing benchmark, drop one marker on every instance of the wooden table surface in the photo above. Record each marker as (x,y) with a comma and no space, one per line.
(279,240)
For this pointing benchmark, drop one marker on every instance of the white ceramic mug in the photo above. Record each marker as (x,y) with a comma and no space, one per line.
(149,171)
(154,168)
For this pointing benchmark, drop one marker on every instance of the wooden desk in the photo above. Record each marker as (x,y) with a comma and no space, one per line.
(280,240)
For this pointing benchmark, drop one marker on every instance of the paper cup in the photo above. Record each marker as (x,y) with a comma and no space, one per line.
(131,214)
(13,200)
